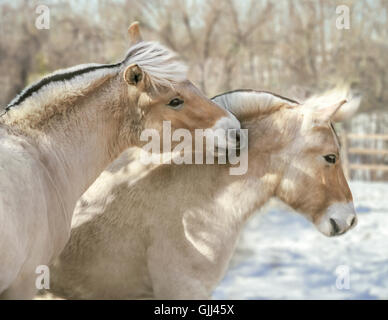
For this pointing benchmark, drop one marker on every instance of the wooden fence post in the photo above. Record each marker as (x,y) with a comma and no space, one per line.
(345,155)
(346,151)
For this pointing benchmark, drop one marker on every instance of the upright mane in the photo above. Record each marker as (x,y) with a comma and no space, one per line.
(332,97)
(243,103)
(160,64)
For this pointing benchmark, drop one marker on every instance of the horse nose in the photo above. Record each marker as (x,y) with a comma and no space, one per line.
(338,218)
(352,221)
(227,131)
(234,137)
(338,227)
(228,122)
(335,229)
(238,138)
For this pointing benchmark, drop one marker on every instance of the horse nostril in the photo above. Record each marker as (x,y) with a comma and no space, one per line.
(335,226)
(236,138)
(353,221)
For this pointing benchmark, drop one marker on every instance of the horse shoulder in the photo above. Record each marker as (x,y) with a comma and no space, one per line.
(22,209)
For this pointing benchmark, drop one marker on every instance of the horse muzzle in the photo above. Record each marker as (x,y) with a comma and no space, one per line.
(228,134)
(338,219)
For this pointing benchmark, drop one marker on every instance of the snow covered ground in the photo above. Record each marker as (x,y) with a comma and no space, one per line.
(282,256)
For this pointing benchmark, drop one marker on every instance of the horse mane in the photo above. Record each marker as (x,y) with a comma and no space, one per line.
(332,97)
(160,64)
(244,103)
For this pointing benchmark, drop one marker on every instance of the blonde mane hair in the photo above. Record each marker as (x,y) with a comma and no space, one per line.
(245,103)
(161,66)
(333,96)
(159,63)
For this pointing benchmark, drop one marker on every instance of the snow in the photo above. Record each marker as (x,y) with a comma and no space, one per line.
(282,256)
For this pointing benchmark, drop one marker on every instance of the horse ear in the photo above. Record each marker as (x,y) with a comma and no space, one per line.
(348,110)
(133,75)
(134,33)
(328,113)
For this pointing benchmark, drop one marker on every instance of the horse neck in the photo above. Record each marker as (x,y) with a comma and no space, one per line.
(241,196)
(77,146)
(267,160)
(235,198)
(225,202)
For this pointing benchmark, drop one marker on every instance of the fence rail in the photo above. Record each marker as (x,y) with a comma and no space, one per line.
(367,136)
(367,151)
(348,166)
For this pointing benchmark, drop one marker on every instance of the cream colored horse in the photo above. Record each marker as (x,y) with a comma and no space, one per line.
(59,134)
(168,232)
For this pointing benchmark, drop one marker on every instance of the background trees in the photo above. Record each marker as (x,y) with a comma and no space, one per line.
(291,47)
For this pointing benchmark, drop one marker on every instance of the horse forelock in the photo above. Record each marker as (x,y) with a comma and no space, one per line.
(327,98)
(162,65)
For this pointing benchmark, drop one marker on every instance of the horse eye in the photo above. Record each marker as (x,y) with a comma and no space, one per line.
(175,103)
(331,158)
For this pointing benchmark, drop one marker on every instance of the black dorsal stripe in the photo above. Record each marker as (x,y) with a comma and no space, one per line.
(256,91)
(29,91)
